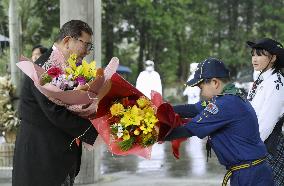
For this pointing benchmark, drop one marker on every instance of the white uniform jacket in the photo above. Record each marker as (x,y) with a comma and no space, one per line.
(193,93)
(268,101)
(148,81)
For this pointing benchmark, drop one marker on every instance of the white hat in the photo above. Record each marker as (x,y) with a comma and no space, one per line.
(193,67)
(149,63)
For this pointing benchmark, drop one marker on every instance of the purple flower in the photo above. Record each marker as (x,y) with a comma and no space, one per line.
(81,80)
(78,63)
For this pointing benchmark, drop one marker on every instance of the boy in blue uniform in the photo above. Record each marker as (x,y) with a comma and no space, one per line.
(231,123)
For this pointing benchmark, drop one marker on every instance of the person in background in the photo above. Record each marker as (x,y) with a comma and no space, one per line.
(45,154)
(230,122)
(194,146)
(192,93)
(37,51)
(149,80)
(267,98)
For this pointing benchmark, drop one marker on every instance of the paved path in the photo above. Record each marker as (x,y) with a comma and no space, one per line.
(162,170)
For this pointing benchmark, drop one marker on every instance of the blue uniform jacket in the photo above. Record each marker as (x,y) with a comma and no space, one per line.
(232,126)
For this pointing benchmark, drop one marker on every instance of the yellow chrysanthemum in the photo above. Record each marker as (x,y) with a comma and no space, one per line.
(126,120)
(136,132)
(142,127)
(149,110)
(145,131)
(131,117)
(150,118)
(126,135)
(143,102)
(137,115)
(149,122)
(116,109)
(134,110)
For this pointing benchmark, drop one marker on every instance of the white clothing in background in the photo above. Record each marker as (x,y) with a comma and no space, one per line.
(268,102)
(147,81)
(194,146)
(196,155)
(192,93)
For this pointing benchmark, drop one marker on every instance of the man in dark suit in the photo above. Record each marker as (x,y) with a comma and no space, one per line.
(44,155)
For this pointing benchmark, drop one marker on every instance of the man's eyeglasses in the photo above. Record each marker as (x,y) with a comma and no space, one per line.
(89,46)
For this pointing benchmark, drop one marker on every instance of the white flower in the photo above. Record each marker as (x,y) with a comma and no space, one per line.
(70,83)
(119,128)
(119,134)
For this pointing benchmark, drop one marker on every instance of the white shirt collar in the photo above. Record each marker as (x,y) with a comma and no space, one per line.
(265,75)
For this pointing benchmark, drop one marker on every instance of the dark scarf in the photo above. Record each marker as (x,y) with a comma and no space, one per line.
(231,89)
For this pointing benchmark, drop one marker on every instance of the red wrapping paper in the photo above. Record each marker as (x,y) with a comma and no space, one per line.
(168,120)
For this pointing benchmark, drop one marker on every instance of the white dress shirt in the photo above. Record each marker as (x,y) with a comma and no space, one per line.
(268,102)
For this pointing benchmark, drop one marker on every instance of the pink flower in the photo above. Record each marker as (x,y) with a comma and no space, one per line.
(54,72)
(81,80)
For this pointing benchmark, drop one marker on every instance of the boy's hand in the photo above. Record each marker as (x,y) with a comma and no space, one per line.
(179,132)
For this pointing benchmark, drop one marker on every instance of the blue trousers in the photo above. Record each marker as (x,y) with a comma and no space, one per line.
(258,175)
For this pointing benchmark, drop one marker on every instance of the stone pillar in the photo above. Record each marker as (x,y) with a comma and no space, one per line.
(88,11)
(14,37)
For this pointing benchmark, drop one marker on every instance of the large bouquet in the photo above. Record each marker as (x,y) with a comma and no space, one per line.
(130,123)
(76,85)
(127,120)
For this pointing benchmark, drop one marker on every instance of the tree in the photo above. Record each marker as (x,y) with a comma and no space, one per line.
(172,33)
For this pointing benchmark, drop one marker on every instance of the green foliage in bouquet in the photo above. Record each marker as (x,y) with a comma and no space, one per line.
(126,144)
(148,139)
(45,78)
(8,120)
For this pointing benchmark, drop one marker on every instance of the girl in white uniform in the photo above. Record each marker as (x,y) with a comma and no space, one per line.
(267,98)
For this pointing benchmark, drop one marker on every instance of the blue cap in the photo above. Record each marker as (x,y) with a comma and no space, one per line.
(209,68)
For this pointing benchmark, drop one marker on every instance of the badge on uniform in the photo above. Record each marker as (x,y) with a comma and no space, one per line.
(212,108)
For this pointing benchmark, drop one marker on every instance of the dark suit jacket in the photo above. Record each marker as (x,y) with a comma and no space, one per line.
(43,155)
